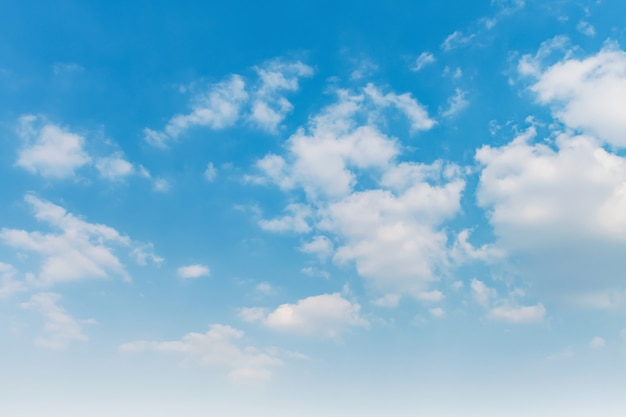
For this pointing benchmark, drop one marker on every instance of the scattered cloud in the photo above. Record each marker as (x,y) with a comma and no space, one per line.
(9,285)
(114,167)
(327,315)
(425,58)
(586,28)
(219,347)
(588,94)
(503,309)
(518,314)
(265,288)
(320,246)
(50,150)
(295,221)
(456,40)
(217,108)
(456,103)
(223,104)
(597,343)
(210,173)
(60,329)
(193,271)
(557,209)
(269,107)
(79,250)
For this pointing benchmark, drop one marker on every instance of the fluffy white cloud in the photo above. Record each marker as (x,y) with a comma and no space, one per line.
(61,329)
(405,103)
(193,271)
(324,159)
(320,245)
(587,94)
(295,221)
(9,285)
(222,105)
(392,228)
(456,103)
(221,346)
(481,293)
(114,167)
(393,237)
(558,209)
(217,108)
(327,315)
(50,150)
(506,309)
(425,58)
(269,107)
(79,251)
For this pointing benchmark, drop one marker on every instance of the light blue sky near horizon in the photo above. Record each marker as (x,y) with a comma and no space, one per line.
(357,208)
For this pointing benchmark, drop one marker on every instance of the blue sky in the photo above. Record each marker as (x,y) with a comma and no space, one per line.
(310,208)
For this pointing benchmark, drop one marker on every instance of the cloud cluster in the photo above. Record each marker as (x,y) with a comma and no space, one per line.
(391,229)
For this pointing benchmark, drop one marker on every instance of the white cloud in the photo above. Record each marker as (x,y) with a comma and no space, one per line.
(463,251)
(161,185)
(144,252)
(324,158)
(219,347)
(216,108)
(597,343)
(114,167)
(437,312)
(50,150)
(517,314)
(295,221)
(327,315)
(61,329)
(390,229)
(319,245)
(66,68)
(252,314)
(456,40)
(506,309)
(586,28)
(388,300)
(80,250)
(193,271)
(265,288)
(234,99)
(311,271)
(393,237)
(456,103)
(557,208)
(210,173)
(405,103)
(481,293)
(8,284)
(587,94)
(425,58)
(269,107)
